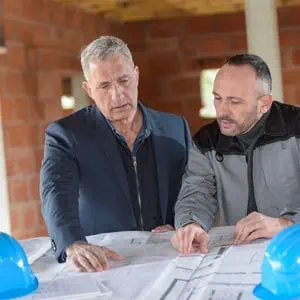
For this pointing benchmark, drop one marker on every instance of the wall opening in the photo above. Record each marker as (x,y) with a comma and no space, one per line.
(207,78)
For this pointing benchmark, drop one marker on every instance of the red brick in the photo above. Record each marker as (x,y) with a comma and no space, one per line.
(206,46)
(16,218)
(20,136)
(192,106)
(171,107)
(21,110)
(15,84)
(18,191)
(295,99)
(291,77)
(288,93)
(49,85)
(34,187)
(239,43)
(13,8)
(25,32)
(164,64)
(52,110)
(296,57)
(212,62)
(11,163)
(42,230)
(289,38)
(10,29)
(26,162)
(286,58)
(190,64)
(41,36)
(7,109)
(30,219)
(200,25)
(231,22)
(167,44)
(165,28)
(138,47)
(147,89)
(36,109)
(16,56)
(289,16)
(185,86)
(136,31)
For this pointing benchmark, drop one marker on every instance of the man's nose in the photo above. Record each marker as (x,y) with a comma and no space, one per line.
(223,109)
(116,92)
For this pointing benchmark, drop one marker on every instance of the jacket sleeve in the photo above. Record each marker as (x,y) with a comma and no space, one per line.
(59,186)
(197,198)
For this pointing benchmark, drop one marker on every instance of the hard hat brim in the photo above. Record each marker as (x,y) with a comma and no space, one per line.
(265,294)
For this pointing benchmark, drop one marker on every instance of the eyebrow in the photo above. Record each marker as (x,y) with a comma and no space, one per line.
(230,97)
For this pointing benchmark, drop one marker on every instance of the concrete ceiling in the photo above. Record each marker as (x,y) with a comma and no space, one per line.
(134,10)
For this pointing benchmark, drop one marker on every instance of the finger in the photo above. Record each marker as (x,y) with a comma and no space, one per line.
(180,237)
(203,242)
(238,231)
(164,228)
(86,265)
(160,229)
(156,230)
(76,264)
(112,254)
(258,234)
(241,230)
(94,260)
(187,242)
(247,230)
(174,241)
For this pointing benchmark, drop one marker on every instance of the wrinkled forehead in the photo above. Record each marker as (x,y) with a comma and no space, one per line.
(239,81)
(116,65)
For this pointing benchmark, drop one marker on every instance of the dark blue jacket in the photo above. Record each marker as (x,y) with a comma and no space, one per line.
(84,189)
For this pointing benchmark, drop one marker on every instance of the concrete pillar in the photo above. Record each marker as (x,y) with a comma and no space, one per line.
(4,206)
(263,38)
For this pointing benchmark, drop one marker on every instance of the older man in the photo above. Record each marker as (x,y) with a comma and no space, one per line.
(245,165)
(113,166)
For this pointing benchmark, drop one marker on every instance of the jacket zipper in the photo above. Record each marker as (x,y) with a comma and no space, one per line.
(138,190)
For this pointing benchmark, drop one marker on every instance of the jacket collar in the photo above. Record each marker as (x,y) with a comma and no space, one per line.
(275,126)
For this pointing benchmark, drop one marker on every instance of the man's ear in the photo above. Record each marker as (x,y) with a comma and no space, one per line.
(87,88)
(137,73)
(265,103)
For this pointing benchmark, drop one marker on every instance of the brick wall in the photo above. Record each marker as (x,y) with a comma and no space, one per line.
(43,40)
(171,54)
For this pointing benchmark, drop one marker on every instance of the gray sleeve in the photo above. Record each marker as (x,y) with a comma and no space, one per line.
(292,209)
(197,198)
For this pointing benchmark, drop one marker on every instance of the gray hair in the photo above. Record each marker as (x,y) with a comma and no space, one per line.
(260,67)
(102,48)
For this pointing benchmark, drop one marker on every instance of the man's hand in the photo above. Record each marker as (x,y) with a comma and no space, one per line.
(256,226)
(90,258)
(190,238)
(163,228)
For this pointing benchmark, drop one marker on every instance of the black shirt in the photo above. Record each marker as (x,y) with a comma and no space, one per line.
(248,141)
(140,167)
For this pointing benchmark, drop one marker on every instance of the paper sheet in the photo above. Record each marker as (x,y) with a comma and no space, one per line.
(35,247)
(80,287)
(153,269)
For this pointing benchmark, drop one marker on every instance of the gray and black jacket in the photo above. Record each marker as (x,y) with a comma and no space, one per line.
(217,176)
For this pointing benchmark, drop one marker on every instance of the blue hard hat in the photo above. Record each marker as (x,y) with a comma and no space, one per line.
(280,269)
(16,276)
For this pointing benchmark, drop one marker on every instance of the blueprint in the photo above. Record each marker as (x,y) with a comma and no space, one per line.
(152,269)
